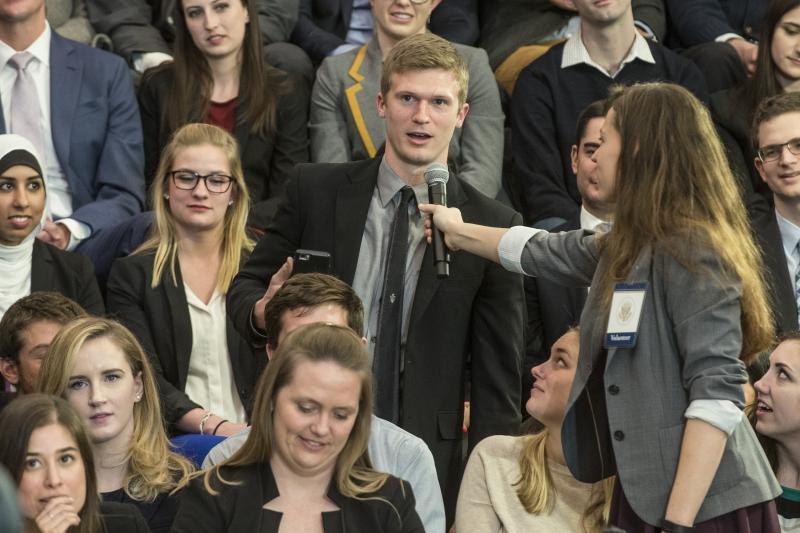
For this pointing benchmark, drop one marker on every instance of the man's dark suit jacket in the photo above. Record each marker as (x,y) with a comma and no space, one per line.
(160,320)
(780,281)
(552,309)
(477,313)
(238,506)
(266,161)
(96,132)
(67,273)
(694,22)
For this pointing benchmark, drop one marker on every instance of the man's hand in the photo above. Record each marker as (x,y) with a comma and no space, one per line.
(748,53)
(566,5)
(275,283)
(56,234)
(446,219)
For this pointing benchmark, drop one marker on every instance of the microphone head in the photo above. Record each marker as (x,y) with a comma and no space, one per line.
(437,173)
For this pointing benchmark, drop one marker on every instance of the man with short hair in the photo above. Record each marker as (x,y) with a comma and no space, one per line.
(776,130)
(26,331)
(344,124)
(311,298)
(552,91)
(76,105)
(428,335)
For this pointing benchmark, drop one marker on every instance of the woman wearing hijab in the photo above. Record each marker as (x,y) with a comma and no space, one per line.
(27,263)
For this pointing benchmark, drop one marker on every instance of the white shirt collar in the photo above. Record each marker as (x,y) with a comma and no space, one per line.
(40,48)
(790,234)
(575,53)
(589,221)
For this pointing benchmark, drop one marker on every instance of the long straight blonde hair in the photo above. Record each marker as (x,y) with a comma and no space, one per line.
(151,467)
(163,239)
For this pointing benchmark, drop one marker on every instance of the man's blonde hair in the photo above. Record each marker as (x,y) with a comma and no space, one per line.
(423,52)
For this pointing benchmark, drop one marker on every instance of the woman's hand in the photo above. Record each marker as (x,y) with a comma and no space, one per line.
(58,515)
(446,219)
(275,282)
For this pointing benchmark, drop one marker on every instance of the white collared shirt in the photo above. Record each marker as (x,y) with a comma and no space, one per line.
(589,221)
(575,53)
(209,381)
(59,197)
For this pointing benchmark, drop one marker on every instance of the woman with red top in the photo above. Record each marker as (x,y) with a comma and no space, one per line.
(219,77)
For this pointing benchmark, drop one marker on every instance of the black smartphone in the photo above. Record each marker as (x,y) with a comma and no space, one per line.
(306,261)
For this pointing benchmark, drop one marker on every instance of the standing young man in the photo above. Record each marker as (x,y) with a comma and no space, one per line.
(445,334)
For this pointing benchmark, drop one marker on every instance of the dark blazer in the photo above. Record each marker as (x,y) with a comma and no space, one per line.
(552,309)
(158,514)
(96,132)
(67,273)
(779,280)
(473,319)
(695,22)
(239,506)
(266,162)
(160,320)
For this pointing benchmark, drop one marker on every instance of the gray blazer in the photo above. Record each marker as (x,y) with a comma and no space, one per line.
(628,418)
(345,125)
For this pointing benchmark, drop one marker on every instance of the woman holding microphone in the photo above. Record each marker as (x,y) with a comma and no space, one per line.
(677,306)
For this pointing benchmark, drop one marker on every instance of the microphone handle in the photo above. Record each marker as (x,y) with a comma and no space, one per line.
(437,194)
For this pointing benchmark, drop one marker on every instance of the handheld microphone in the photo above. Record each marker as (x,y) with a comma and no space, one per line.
(436,177)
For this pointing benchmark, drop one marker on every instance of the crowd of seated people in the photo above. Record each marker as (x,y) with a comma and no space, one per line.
(166,167)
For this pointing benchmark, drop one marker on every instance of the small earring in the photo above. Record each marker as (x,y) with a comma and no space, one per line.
(138,397)
(166,196)
(230,203)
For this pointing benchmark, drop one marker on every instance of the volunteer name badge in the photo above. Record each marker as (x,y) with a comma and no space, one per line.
(626,311)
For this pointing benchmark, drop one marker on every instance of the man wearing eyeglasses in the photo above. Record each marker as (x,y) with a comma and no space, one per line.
(776,130)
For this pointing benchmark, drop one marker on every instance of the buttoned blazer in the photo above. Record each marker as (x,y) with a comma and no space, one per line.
(96,132)
(322,26)
(238,506)
(160,320)
(345,126)
(627,416)
(473,319)
(67,273)
(266,160)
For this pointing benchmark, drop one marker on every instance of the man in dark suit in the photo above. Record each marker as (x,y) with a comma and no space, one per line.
(452,334)
(89,135)
(554,308)
(777,130)
(719,35)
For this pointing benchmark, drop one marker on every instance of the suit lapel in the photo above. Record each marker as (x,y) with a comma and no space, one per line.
(181,323)
(352,205)
(240,131)
(428,282)
(365,73)
(66,72)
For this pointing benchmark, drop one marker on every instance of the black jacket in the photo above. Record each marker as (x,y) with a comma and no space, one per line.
(68,273)
(160,320)
(239,506)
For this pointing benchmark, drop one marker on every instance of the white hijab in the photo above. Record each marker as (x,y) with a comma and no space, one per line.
(16,261)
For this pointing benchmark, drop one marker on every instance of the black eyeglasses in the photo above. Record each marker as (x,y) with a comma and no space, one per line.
(773,152)
(187,180)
